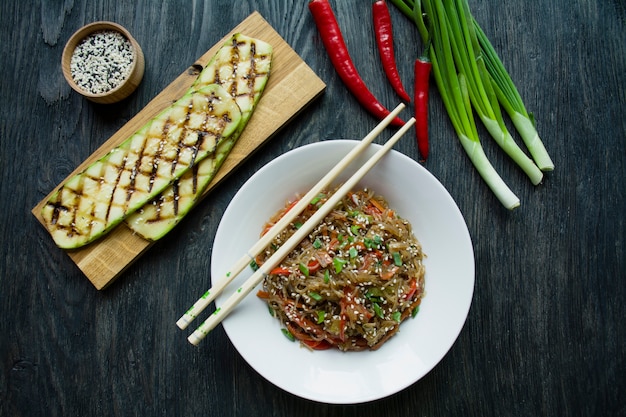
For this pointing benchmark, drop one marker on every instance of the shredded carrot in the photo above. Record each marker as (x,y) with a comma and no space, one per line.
(377,205)
(263,294)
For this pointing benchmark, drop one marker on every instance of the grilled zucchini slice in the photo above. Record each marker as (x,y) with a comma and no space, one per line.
(94,201)
(242,67)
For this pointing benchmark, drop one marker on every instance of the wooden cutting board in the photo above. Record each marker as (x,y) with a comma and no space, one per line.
(291,86)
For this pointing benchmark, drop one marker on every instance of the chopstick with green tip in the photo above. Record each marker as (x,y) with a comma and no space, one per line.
(221,312)
(265,240)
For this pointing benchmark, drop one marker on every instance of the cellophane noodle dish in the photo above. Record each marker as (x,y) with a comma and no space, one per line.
(352,281)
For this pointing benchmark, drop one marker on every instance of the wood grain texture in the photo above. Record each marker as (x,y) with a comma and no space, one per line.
(546,329)
(291,87)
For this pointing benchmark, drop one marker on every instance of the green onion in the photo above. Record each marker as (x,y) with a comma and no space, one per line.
(509,97)
(374,294)
(454,92)
(326,276)
(378,310)
(469,61)
(338,263)
(397,316)
(353,252)
(288,334)
(297,225)
(304,269)
(320,316)
(254,266)
(378,240)
(468,73)
(315,296)
(415,311)
(317,243)
(355,229)
(397,259)
(317,199)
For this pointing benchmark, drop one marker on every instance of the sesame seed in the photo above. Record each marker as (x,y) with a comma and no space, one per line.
(101,61)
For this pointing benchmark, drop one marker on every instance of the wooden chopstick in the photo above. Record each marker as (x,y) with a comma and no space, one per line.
(221,312)
(265,240)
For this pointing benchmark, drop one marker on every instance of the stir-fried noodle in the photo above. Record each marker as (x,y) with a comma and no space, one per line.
(352,281)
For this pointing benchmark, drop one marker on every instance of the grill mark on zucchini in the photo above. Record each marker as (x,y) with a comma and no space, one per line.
(157,154)
(159,216)
(95,200)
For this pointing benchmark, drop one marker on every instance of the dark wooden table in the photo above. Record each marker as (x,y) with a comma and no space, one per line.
(546,331)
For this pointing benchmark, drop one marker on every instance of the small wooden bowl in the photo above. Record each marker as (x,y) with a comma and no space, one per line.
(126,87)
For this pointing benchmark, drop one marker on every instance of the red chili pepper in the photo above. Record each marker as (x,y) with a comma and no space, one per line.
(334,43)
(280,271)
(422,75)
(384,40)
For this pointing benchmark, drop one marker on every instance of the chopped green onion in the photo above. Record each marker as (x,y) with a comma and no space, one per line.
(338,263)
(378,240)
(320,316)
(374,295)
(271,310)
(317,243)
(317,198)
(297,225)
(353,252)
(415,311)
(326,276)
(288,334)
(254,265)
(315,296)
(397,259)
(355,229)
(397,316)
(369,243)
(378,310)
(304,269)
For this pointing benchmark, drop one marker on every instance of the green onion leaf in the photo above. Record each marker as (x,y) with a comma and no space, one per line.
(378,310)
(315,296)
(317,243)
(397,259)
(397,316)
(353,252)
(320,316)
(374,294)
(288,334)
(254,265)
(415,311)
(317,198)
(355,229)
(304,269)
(326,276)
(338,264)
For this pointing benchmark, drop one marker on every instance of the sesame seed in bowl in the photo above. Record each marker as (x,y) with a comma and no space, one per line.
(103,62)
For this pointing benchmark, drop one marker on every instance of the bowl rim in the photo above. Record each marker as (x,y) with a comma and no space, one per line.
(136,69)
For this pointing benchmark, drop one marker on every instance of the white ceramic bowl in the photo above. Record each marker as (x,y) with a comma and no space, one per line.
(350,377)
